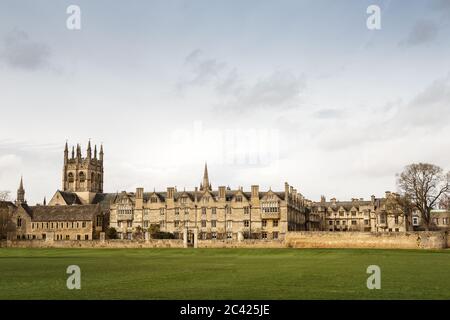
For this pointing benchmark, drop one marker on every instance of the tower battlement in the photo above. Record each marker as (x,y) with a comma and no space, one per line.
(83,174)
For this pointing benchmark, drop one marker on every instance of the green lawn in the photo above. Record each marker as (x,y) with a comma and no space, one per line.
(224,273)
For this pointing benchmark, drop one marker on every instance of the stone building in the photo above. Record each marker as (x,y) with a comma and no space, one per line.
(212,214)
(440,220)
(375,215)
(76,222)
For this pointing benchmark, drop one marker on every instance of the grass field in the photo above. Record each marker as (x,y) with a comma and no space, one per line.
(224,274)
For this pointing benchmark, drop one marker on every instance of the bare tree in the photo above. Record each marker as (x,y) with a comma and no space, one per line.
(424,185)
(4,195)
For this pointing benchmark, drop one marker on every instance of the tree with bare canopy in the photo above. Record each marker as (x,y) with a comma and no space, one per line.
(4,195)
(424,185)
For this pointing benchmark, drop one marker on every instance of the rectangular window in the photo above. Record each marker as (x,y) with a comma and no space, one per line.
(78,237)
(203,223)
(86,237)
(275,235)
(275,223)
(238,198)
(203,210)
(146,224)
(161,211)
(229,224)
(396,220)
(330,222)
(264,223)
(415,221)
(177,211)
(246,223)
(99,221)
(176,223)
(264,235)
(67,237)
(213,223)
(83,224)
(344,222)
(229,235)
(246,210)
(129,224)
(353,222)
(214,235)
(337,222)
(366,222)
(353,213)
(213,211)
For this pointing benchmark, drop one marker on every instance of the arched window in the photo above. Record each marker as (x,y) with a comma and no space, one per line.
(82,177)
(70,177)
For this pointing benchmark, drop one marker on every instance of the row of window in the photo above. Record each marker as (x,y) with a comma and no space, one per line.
(44,236)
(178,223)
(344,213)
(58,225)
(228,210)
(445,221)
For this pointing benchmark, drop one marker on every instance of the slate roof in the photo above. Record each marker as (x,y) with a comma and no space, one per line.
(70,197)
(64,213)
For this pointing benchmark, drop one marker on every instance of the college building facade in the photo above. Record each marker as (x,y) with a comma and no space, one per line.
(81,210)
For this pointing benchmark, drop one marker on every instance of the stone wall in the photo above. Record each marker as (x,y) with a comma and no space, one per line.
(308,239)
(241,244)
(166,243)
(448,239)
(393,240)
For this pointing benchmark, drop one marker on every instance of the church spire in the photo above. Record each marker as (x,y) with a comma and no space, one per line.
(101,152)
(205,185)
(20,193)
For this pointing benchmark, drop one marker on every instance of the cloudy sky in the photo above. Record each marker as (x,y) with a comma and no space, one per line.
(264,91)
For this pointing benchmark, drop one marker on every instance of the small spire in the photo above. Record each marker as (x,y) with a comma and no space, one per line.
(89,150)
(101,152)
(45,201)
(73,152)
(95,152)
(205,184)
(20,193)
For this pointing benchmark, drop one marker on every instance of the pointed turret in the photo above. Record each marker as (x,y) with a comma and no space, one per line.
(205,185)
(66,153)
(101,152)
(73,152)
(95,152)
(20,193)
(78,152)
(45,201)
(89,150)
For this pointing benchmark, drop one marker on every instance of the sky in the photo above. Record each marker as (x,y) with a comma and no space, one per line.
(263,91)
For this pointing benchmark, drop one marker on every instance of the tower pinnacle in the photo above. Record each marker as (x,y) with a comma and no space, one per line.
(205,185)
